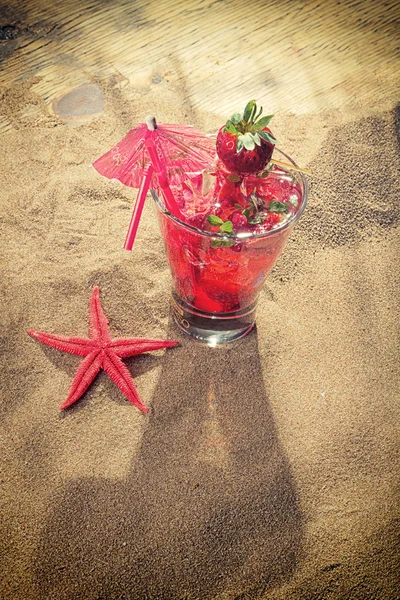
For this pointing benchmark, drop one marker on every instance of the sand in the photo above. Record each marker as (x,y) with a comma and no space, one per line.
(265,469)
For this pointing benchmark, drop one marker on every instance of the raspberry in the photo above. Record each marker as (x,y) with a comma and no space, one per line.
(239,221)
(273,218)
(197,221)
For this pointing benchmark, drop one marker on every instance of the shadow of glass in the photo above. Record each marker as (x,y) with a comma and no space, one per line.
(209,506)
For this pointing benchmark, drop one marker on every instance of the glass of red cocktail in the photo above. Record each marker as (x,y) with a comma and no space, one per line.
(217,274)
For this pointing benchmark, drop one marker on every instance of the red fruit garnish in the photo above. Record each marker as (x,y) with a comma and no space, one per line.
(197,221)
(239,221)
(245,144)
(229,191)
(273,218)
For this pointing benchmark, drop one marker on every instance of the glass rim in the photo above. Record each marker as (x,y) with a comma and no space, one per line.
(242,235)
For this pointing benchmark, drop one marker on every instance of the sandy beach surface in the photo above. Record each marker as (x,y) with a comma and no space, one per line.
(268,468)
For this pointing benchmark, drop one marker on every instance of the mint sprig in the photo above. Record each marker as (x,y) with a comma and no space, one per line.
(257,211)
(276,206)
(225,228)
(214,220)
(222,243)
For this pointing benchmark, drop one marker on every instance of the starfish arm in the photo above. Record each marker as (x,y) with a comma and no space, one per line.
(98,323)
(115,368)
(72,345)
(87,371)
(125,347)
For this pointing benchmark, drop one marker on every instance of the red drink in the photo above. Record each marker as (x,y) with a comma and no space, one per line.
(218,271)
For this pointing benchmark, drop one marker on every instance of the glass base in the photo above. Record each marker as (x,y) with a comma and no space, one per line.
(212,328)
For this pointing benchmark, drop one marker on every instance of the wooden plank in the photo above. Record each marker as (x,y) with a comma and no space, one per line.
(300,57)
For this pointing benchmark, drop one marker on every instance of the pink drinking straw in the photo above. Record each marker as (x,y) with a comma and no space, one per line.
(139,204)
(160,170)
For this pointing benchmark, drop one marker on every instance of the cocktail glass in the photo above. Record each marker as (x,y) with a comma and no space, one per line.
(216,281)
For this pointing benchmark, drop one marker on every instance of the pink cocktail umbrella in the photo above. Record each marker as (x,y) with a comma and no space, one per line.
(156,155)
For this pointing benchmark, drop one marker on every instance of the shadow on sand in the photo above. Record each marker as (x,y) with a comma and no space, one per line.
(209,505)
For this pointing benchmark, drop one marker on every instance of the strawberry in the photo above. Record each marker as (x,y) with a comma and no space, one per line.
(245,143)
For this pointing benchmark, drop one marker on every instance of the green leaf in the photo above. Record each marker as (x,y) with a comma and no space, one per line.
(248,110)
(229,126)
(247,212)
(239,144)
(257,219)
(257,139)
(253,114)
(248,141)
(227,227)
(257,202)
(219,243)
(266,171)
(267,136)
(263,122)
(276,206)
(214,220)
(238,206)
(236,118)
(234,177)
(258,114)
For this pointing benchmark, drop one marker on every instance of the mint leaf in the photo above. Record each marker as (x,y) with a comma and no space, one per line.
(276,206)
(219,243)
(257,218)
(227,227)
(214,220)
(234,177)
(263,122)
(257,202)
(266,171)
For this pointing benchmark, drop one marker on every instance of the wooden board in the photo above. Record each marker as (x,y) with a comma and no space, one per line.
(300,57)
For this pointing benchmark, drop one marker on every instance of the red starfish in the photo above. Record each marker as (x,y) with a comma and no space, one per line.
(101,352)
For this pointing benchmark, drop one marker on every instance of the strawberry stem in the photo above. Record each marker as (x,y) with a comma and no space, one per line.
(249,128)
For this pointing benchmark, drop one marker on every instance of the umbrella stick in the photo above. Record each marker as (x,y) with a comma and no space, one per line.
(137,211)
(169,198)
